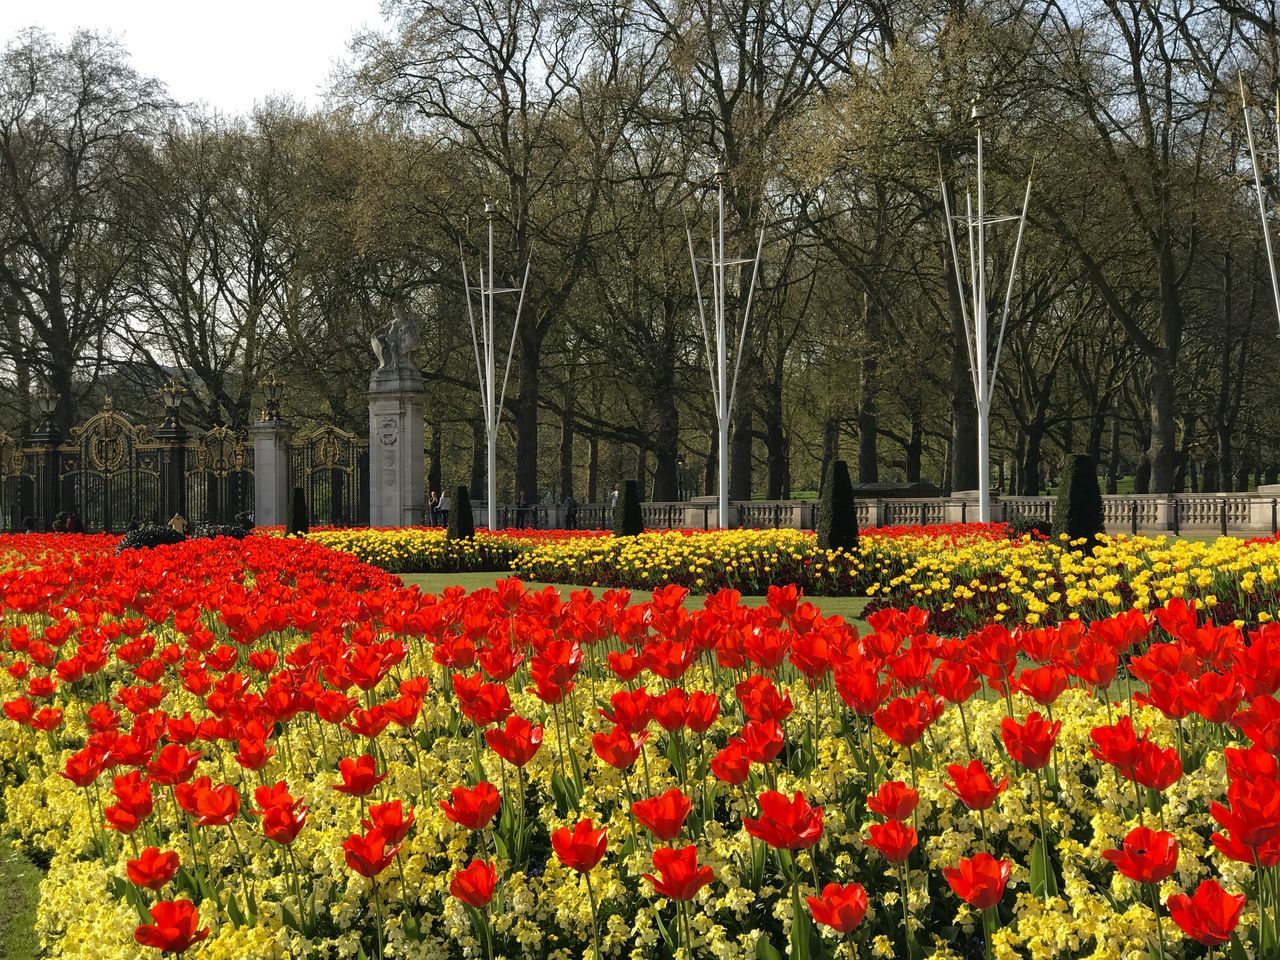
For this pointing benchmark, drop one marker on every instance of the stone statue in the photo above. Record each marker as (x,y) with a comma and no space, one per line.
(394,345)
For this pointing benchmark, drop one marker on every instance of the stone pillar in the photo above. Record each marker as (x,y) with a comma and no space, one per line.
(271,472)
(397,456)
(173,471)
(1264,509)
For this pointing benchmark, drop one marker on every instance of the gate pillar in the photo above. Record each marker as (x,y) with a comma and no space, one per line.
(271,471)
(397,462)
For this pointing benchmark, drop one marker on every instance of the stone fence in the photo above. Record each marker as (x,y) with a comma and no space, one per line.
(1249,514)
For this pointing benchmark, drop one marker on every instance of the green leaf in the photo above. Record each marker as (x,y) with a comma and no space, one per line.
(234,912)
(765,950)
(1043,881)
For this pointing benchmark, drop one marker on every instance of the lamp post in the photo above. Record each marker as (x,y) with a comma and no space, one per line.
(273,392)
(715,337)
(984,362)
(484,343)
(171,395)
(46,399)
(680,477)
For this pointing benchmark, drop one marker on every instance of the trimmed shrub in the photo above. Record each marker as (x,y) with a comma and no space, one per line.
(837,511)
(628,518)
(1020,526)
(151,535)
(208,531)
(299,522)
(1078,510)
(462,522)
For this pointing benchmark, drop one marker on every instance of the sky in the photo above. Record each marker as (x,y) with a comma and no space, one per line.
(226,53)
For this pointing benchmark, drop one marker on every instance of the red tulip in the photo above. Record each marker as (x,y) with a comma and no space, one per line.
(762,740)
(1157,768)
(474,884)
(473,807)
(1208,917)
(840,907)
(979,880)
(893,801)
(175,764)
(704,708)
(282,824)
(785,824)
(973,785)
(731,764)
(895,840)
(905,719)
(153,868)
(172,928)
(391,819)
(1030,743)
(682,878)
(515,742)
(370,854)
(664,815)
(359,776)
(215,806)
(1145,856)
(580,848)
(618,748)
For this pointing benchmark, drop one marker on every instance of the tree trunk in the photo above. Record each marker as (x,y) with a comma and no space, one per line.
(478,459)
(433,472)
(868,462)
(915,449)
(964,414)
(526,411)
(642,471)
(740,461)
(1113,456)
(566,447)
(593,469)
(666,447)
(1019,454)
(709,468)
(1029,474)
(775,444)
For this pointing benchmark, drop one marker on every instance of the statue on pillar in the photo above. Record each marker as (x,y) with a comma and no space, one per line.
(394,345)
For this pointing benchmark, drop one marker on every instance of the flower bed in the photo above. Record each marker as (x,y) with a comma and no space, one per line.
(428,550)
(268,749)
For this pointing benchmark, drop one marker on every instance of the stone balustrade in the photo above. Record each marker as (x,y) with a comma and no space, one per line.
(1250,514)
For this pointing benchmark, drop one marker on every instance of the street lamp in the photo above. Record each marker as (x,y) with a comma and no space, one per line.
(171,395)
(273,390)
(680,476)
(46,399)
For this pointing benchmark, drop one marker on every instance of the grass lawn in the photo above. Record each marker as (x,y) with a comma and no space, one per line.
(19,893)
(850,608)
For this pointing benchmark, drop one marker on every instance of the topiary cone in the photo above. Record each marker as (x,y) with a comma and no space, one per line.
(837,511)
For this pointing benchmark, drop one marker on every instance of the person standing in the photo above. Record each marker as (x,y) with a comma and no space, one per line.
(442,509)
(435,508)
(613,500)
(178,524)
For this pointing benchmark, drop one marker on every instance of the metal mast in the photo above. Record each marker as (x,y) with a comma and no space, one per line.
(484,342)
(984,363)
(715,337)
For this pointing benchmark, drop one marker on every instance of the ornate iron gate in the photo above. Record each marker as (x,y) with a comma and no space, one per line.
(219,476)
(332,468)
(109,472)
(17,490)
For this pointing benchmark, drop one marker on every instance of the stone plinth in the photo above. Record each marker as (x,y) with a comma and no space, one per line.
(397,461)
(271,472)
